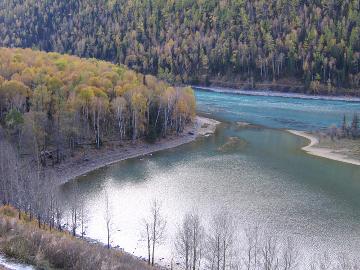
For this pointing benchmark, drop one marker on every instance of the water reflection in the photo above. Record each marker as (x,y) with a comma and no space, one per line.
(267,181)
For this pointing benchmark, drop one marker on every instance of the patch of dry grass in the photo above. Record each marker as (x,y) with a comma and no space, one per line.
(348,147)
(23,240)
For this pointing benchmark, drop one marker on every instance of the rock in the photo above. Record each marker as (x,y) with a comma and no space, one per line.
(242,124)
(233,144)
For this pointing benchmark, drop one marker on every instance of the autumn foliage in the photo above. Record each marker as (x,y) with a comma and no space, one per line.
(315,42)
(65,101)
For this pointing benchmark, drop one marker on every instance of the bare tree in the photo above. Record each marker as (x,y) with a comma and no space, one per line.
(146,235)
(75,208)
(29,198)
(83,219)
(9,171)
(108,219)
(189,241)
(290,255)
(270,253)
(58,216)
(324,261)
(51,204)
(183,241)
(264,251)
(50,199)
(40,204)
(220,242)
(155,226)
(321,262)
(251,258)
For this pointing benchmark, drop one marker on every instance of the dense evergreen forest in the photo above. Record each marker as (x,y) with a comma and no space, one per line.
(57,102)
(317,43)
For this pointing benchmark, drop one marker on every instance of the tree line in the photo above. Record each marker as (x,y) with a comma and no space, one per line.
(347,129)
(59,102)
(221,245)
(350,130)
(315,42)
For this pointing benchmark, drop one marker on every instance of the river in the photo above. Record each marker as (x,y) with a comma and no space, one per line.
(12,264)
(266,180)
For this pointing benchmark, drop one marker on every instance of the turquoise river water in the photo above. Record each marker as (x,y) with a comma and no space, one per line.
(266,181)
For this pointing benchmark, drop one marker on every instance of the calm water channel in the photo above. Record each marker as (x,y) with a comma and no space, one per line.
(263,179)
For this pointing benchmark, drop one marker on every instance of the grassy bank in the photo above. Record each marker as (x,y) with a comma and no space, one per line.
(343,150)
(348,147)
(24,241)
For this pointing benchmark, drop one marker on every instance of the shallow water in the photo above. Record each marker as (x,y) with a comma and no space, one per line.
(268,181)
(13,264)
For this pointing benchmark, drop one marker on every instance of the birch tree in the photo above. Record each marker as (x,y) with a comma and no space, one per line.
(155,227)
(220,242)
(190,241)
(108,219)
(119,105)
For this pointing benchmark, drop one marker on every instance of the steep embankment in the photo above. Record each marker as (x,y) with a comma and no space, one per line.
(23,240)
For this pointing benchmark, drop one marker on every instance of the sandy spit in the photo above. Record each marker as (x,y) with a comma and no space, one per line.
(321,151)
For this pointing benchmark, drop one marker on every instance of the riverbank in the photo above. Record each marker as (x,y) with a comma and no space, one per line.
(291,85)
(2,267)
(334,151)
(44,248)
(274,93)
(7,263)
(91,159)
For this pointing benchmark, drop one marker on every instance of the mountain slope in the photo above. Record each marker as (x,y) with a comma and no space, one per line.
(315,42)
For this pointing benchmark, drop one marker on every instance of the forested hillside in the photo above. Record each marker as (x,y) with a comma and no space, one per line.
(315,42)
(58,102)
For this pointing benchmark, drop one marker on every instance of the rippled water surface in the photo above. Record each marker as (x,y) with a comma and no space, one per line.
(276,112)
(265,179)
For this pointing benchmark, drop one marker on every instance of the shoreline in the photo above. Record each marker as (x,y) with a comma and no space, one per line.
(323,152)
(271,93)
(23,228)
(75,167)
(7,263)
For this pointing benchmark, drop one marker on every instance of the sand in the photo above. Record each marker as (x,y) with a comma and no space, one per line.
(328,153)
(95,159)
